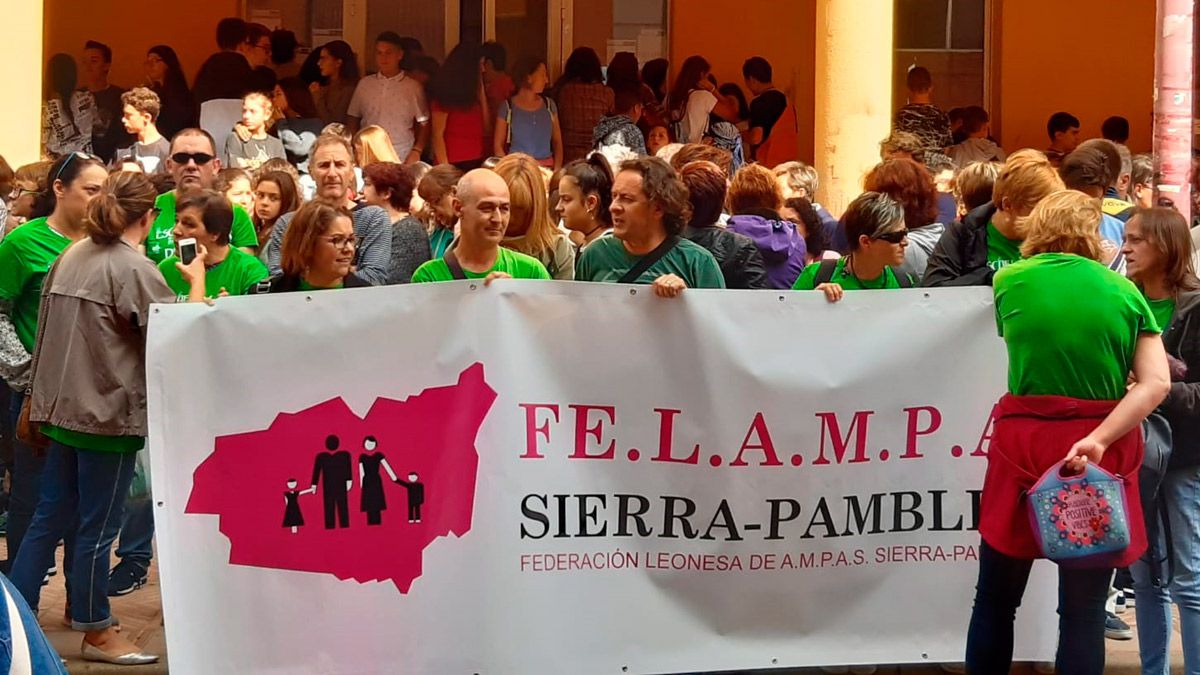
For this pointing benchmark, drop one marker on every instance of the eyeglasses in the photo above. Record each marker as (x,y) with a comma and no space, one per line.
(339,242)
(200,158)
(70,157)
(18,192)
(892,237)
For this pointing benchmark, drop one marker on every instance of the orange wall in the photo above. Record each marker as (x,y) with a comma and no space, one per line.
(130,28)
(1092,59)
(783,32)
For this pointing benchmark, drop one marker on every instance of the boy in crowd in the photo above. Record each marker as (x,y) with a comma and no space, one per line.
(1063,130)
(140,107)
(620,128)
(977,147)
(768,104)
(260,146)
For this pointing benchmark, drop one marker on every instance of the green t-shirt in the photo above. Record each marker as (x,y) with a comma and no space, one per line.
(519,265)
(160,242)
(237,274)
(807,279)
(1001,250)
(1070,325)
(81,439)
(304,286)
(1163,310)
(25,257)
(606,259)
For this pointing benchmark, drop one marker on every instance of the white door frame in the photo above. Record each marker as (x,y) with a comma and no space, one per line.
(559,33)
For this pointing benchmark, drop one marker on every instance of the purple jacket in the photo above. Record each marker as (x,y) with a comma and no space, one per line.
(781,246)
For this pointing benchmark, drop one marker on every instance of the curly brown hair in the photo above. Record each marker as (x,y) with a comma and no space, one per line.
(910,184)
(664,189)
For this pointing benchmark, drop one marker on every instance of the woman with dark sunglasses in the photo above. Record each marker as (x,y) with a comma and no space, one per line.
(25,256)
(874,224)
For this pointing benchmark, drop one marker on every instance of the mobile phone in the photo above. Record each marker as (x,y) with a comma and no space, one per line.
(187,250)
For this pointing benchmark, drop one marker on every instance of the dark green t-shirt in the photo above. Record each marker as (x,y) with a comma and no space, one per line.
(1001,250)
(25,257)
(237,274)
(160,242)
(518,265)
(808,278)
(1163,310)
(606,259)
(1070,325)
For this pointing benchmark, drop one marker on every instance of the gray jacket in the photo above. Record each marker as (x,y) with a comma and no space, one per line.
(921,243)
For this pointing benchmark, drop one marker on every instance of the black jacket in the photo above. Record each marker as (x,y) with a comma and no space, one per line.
(285,284)
(737,255)
(960,257)
(1182,405)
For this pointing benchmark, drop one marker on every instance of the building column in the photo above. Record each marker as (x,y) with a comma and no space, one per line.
(354,32)
(853,94)
(21,64)
(1173,123)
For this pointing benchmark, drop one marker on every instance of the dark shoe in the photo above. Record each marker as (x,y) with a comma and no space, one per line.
(126,578)
(1116,629)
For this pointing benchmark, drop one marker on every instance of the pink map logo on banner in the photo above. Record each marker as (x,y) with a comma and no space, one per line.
(323,490)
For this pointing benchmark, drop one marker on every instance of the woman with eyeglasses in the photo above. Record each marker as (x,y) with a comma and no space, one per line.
(874,224)
(91,403)
(29,184)
(25,256)
(317,252)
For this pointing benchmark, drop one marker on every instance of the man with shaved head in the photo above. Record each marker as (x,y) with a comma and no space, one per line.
(482,205)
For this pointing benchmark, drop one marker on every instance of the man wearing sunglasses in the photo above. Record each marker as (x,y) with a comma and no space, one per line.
(194,165)
(874,224)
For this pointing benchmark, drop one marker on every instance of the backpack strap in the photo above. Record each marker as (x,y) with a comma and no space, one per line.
(456,268)
(825,270)
(648,260)
(903,279)
(508,119)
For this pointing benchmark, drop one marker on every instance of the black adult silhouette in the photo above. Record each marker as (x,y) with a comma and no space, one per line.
(332,470)
(372,501)
(416,496)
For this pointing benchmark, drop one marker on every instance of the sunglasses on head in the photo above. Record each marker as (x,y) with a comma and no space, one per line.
(200,158)
(892,237)
(67,162)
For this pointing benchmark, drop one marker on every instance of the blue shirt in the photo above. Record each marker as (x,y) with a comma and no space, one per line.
(1112,229)
(529,131)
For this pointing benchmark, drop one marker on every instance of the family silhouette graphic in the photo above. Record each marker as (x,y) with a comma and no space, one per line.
(332,471)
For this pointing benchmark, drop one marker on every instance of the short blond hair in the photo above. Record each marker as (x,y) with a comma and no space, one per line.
(262,99)
(799,177)
(1025,179)
(973,184)
(1066,221)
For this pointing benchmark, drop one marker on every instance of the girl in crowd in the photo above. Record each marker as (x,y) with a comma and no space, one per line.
(808,223)
(733,95)
(658,138)
(741,263)
(235,185)
(693,100)
(25,255)
(584,195)
(390,185)
(165,76)
(910,184)
(373,144)
(299,123)
(437,190)
(1083,396)
(530,229)
(874,223)
(459,107)
(528,122)
(94,435)
(67,112)
(318,251)
(1158,259)
(582,100)
(274,195)
(654,74)
(338,65)
(29,184)
(333,171)
(754,201)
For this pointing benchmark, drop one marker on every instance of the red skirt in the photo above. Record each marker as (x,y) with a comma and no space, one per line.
(1031,434)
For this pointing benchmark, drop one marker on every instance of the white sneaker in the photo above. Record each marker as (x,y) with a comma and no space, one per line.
(1121,603)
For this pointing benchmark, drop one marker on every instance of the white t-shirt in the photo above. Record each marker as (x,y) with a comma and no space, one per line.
(695,118)
(395,103)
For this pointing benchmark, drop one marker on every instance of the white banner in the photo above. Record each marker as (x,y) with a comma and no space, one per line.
(542,477)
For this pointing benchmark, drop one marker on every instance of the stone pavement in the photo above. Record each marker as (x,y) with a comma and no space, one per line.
(141,618)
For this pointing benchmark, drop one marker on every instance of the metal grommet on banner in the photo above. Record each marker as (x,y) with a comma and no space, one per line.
(472,287)
(775,661)
(782,298)
(160,504)
(633,291)
(156,310)
(308,298)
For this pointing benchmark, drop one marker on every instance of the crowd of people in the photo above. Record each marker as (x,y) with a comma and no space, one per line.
(472,169)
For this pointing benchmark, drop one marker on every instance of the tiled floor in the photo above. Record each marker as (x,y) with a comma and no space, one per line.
(140,614)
